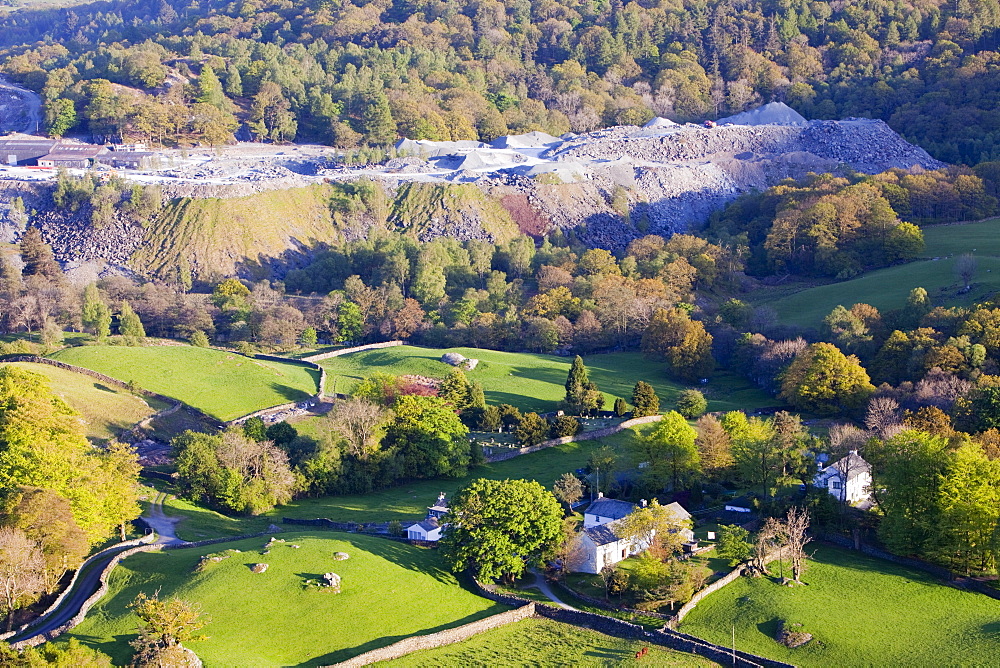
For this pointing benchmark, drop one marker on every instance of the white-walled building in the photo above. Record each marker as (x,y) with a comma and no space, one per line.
(848,479)
(600,546)
(427,530)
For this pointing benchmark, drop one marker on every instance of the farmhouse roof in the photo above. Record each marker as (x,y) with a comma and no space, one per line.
(612,508)
(441,505)
(602,534)
(851,466)
(678,511)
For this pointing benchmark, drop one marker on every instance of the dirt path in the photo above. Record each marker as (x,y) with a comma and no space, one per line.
(543,586)
(161,523)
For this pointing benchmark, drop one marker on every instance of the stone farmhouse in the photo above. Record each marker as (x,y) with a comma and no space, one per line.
(849,479)
(600,546)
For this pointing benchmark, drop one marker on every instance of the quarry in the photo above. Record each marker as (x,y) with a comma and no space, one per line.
(610,185)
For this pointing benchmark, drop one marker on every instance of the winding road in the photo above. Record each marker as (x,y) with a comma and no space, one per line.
(89,580)
(25,117)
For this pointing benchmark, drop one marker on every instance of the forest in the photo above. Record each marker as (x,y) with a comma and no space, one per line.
(346,73)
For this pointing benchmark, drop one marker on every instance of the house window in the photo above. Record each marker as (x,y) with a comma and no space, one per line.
(835,484)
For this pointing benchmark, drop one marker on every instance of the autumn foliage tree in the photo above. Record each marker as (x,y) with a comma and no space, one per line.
(823,380)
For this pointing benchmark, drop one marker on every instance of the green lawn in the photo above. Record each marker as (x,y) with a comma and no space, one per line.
(888,288)
(861,612)
(543,642)
(106,410)
(225,385)
(408,501)
(390,591)
(537,382)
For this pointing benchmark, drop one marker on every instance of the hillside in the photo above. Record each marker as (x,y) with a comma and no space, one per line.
(888,288)
(224,385)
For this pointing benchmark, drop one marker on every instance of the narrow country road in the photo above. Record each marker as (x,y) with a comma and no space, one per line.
(90,579)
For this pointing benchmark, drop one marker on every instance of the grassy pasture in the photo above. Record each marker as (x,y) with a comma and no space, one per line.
(106,410)
(888,288)
(861,612)
(225,385)
(390,591)
(536,382)
(408,501)
(544,642)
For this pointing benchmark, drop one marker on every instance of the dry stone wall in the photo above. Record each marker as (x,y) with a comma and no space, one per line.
(439,639)
(356,349)
(504,455)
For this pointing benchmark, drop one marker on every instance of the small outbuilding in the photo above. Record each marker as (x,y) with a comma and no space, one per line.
(429,530)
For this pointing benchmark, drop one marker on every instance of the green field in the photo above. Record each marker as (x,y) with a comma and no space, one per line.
(225,385)
(106,410)
(537,382)
(408,501)
(390,590)
(543,642)
(861,612)
(888,288)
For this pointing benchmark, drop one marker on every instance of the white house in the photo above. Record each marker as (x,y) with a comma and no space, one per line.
(600,546)
(427,530)
(430,529)
(849,479)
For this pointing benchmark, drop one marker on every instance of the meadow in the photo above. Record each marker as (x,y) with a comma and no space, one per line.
(105,410)
(408,501)
(390,591)
(224,385)
(861,612)
(535,382)
(888,288)
(548,643)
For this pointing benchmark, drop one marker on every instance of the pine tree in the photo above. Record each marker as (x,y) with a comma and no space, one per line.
(620,407)
(379,126)
(210,89)
(130,325)
(644,400)
(455,389)
(37,255)
(576,383)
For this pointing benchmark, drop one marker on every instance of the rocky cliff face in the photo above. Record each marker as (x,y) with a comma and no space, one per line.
(663,179)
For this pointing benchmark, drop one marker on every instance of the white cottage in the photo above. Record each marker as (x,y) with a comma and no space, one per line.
(849,479)
(429,530)
(600,546)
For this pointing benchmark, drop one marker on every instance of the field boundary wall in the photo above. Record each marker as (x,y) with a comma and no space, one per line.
(355,349)
(140,545)
(440,638)
(318,397)
(506,454)
(621,629)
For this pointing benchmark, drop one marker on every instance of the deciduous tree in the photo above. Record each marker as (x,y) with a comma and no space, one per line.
(497,527)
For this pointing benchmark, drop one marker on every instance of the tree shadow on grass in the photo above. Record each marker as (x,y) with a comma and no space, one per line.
(344,654)
(401,554)
(104,388)
(770,627)
(288,393)
(118,648)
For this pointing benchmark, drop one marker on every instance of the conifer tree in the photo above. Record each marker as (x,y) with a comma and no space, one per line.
(644,400)
(95,315)
(130,325)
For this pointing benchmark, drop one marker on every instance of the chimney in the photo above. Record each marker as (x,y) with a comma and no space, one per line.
(600,495)
(642,503)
